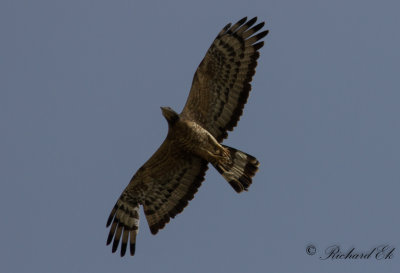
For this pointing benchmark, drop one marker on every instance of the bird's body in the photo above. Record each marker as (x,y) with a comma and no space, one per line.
(171,177)
(191,138)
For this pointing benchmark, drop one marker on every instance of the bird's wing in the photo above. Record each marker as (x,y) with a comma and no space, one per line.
(163,185)
(221,84)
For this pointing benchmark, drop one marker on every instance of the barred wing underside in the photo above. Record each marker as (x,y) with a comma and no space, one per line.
(221,84)
(163,185)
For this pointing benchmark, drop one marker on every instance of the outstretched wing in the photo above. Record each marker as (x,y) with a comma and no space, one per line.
(163,185)
(221,84)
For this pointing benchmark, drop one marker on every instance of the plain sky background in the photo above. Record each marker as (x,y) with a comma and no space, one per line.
(81,83)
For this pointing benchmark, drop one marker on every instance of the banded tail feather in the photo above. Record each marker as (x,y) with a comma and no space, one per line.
(239,170)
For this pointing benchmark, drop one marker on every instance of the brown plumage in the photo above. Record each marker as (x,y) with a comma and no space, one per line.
(171,177)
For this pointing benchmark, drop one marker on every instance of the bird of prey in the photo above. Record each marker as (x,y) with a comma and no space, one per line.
(171,177)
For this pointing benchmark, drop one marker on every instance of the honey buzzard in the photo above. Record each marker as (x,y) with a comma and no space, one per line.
(171,177)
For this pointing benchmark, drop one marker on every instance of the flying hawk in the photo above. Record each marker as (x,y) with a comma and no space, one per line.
(171,177)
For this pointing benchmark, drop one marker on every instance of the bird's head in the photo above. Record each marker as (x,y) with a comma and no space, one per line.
(170,115)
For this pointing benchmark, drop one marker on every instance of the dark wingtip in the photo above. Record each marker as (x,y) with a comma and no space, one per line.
(262,34)
(123,249)
(258,27)
(258,45)
(225,28)
(111,217)
(110,237)
(132,248)
(251,21)
(115,244)
(241,21)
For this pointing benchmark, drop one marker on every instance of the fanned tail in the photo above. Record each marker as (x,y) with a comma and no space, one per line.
(239,170)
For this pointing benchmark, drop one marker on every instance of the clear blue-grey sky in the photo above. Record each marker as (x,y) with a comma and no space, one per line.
(81,83)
